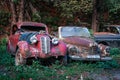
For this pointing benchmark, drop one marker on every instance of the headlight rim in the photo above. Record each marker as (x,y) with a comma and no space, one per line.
(55,41)
(33,39)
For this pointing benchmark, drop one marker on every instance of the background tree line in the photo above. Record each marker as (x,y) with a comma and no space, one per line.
(91,13)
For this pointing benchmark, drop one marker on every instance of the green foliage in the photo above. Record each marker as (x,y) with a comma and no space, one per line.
(36,71)
(15,1)
(44,17)
(36,17)
(3,41)
(108,64)
(69,7)
(4,59)
(3,44)
(104,5)
(114,51)
(112,7)
(115,5)
(4,18)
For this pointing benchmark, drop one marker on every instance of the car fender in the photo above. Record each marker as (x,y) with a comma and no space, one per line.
(10,49)
(23,47)
(62,47)
(104,48)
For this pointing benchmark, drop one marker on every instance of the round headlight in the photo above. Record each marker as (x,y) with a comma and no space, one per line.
(55,41)
(92,44)
(73,49)
(107,50)
(33,39)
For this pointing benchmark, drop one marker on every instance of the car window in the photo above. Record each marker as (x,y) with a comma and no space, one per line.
(113,30)
(33,28)
(109,29)
(119,30)
(14,29)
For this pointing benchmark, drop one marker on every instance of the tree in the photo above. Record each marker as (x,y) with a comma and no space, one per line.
(66,10)
(102,10)
(71,8)
(94,16)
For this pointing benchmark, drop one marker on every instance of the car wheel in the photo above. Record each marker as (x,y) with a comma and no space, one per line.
(19,60)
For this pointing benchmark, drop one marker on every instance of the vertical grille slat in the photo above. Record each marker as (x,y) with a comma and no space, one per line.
(45,44)
(92,50)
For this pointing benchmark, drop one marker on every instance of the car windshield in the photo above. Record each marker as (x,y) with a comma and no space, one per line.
(33,28)
(75,31)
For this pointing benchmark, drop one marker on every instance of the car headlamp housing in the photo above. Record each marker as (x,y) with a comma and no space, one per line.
(33,39)
(93,44)
(73,49)
(55,41)
(107,50)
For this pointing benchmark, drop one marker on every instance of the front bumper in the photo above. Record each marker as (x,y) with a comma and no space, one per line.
(35,52)
(90,58)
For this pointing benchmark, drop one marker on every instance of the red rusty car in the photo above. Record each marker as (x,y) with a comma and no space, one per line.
(81,45)
(31,40)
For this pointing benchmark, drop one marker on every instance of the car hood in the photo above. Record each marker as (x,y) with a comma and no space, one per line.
(103,33)
(80,41)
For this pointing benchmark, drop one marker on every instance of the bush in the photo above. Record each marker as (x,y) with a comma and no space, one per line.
(3,45)
(114,51)
(36,71)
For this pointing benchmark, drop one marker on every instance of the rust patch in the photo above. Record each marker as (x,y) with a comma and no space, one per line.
(78,41)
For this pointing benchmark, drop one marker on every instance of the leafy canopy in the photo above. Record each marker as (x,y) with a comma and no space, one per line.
(69,7)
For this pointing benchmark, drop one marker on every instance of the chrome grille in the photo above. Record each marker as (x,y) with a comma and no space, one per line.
(45,44)
(94,50)
(87,50)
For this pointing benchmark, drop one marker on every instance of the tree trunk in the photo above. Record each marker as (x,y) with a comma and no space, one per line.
(94,17)
(21,13)
(13,12)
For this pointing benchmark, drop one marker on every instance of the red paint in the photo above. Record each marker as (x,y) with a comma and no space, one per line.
(34,50)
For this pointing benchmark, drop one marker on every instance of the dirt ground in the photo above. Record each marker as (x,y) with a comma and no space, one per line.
(113,74)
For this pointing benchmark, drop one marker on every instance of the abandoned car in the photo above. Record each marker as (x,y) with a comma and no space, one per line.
(110,29)
(109,35)
(81,46)
(31,40)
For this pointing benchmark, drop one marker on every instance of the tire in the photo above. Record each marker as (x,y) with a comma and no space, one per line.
(19,60)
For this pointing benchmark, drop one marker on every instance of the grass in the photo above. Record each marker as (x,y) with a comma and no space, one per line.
(74,70)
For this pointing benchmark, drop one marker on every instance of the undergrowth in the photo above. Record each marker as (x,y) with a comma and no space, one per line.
(36,71)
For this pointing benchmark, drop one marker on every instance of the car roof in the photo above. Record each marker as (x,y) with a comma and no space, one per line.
(19,24)
(73,26)
(112,25)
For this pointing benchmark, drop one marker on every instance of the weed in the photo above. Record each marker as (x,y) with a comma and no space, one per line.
(36,71)
(114,51)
